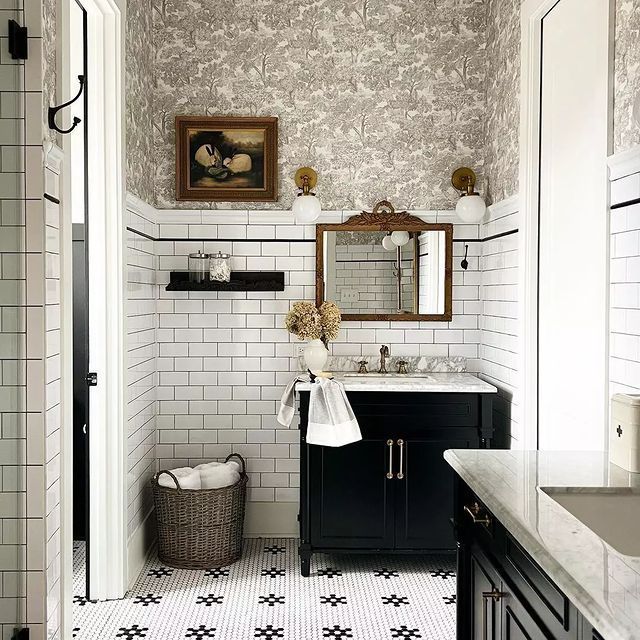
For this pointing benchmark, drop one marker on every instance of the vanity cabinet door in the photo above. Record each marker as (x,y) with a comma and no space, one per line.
(424,495)
(350,495)
(485,610)
(517,622)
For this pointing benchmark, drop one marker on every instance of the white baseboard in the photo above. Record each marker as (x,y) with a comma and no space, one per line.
(139,547)
(271,520)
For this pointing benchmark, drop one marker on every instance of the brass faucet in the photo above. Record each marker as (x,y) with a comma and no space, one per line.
(384,353)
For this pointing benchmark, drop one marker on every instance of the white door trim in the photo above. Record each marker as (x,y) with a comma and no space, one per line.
(105,24)
(532,14)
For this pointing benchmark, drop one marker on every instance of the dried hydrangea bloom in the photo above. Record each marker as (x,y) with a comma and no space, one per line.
(303,320)
(330,319)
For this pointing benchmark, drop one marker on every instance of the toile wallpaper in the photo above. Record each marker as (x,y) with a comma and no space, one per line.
(139,99)
(627,75)
(48,66)
(383,97)
(502,119)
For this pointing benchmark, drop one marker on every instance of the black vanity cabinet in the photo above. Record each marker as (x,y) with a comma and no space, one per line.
(502,593)
(392,491)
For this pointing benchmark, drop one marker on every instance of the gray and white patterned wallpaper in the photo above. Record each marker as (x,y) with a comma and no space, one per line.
(383,97)
(139,83)
(502,120)
(49,62)
(627,75)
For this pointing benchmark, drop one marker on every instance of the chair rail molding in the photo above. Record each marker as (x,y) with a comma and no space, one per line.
(624,163)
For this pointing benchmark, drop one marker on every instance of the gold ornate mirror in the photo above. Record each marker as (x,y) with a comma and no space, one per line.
(386,265)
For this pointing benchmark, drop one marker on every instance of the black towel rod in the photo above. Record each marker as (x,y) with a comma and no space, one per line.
(53,111)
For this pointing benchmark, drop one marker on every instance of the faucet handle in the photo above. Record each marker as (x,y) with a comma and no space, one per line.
(363,366)
(402,366)
(384,349)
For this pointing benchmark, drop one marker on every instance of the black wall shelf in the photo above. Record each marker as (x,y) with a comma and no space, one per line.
(240,281)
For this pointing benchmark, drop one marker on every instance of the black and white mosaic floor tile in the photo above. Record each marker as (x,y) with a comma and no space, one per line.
(264,596)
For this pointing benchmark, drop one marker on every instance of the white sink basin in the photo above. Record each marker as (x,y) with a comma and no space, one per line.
(612,514)
(383,376)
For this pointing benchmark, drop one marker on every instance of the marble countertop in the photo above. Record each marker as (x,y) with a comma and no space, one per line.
(602,583)
(430,383)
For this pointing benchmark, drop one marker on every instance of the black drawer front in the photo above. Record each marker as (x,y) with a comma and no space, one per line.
(538,589)
(474,517)
(424,409)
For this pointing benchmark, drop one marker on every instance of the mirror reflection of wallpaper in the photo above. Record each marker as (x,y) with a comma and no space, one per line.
(382,97)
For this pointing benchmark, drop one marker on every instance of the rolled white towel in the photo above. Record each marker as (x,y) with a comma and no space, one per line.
(218,476)
(188,478)
(233,464)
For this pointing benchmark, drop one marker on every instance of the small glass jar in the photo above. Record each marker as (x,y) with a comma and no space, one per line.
(220,267)
(198,267)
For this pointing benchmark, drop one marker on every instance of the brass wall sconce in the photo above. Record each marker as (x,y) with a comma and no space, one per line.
(306,207)
(471,207)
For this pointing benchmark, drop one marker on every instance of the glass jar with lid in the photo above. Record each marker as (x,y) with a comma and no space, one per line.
(220,267)
(198,267)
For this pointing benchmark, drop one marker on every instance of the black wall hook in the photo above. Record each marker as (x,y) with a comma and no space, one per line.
(53,111)
(465,263)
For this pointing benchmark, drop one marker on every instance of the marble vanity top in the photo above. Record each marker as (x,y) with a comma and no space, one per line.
(421,382)
(603,583)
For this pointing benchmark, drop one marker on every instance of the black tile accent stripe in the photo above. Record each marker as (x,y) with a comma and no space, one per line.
(626,203)
(148,237)
(51,198)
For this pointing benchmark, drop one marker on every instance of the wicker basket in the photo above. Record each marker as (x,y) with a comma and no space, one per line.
(200,529)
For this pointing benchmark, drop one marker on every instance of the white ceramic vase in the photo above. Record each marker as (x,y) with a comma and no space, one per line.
(315,356)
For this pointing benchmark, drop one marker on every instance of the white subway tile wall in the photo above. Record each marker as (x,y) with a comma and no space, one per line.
(52,405)
(29,423)
(142,348)
(624,363)
(224,358)
(499,315)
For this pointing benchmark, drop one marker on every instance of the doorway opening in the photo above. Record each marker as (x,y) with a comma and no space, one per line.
(80,260)
(92,292)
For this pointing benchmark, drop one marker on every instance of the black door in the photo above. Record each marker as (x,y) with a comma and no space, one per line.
(351,497)
(80,388)
(424,495)
(485,610)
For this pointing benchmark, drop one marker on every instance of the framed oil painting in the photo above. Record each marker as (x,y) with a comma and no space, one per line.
(228,159)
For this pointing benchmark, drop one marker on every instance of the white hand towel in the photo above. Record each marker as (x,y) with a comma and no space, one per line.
(288,401)
(187,477)
(218,477)
(332,422)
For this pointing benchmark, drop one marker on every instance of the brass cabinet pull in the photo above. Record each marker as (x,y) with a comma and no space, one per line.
(400,474)
(390,470)
(494,595)
(474,511)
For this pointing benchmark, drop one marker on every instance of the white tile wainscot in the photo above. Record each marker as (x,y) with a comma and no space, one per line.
(500,314)
(142,351)
(224,358)
(624,332)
